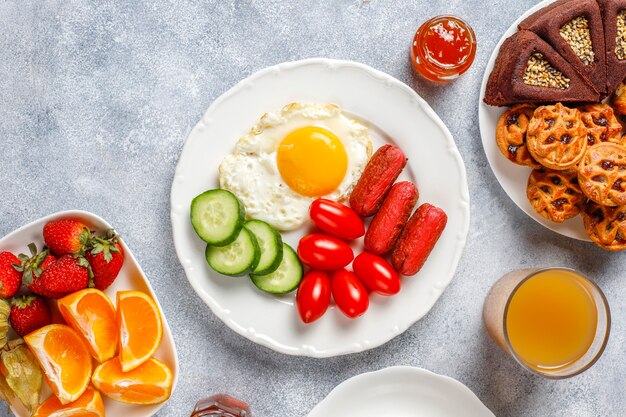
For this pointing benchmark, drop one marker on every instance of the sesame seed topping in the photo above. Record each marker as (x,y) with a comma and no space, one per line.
(540,73)
(620,37)
(576,34)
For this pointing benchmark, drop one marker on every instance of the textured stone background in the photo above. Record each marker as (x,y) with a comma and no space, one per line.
(98,97)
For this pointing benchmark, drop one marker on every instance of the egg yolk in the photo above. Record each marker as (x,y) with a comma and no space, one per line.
(312,161)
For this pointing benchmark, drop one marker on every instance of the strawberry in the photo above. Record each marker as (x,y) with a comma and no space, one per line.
(32,267)
(69,273)
(66,236)
(29,313)
(10,276)
(106,257)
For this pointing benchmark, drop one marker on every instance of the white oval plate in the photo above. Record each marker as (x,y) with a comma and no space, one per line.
(401,391)
(131,277)
(392,110)
(512,177)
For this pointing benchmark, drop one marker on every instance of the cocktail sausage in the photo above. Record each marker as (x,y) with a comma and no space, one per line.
(418,238)
(377,178)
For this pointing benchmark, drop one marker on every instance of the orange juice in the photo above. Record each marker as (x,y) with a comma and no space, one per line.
(551,320)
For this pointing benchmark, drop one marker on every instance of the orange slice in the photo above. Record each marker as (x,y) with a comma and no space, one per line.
(88,405)
(91,314)
(64,359)
(140,328)
(149,383)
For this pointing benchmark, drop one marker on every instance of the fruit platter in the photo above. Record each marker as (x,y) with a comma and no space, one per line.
(81,316)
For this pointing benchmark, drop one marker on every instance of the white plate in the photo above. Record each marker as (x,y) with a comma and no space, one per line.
(401,392)
(392,110)
(512,177)
(131,277)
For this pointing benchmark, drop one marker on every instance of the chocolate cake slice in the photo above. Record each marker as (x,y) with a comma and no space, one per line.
(528,70)
(614,16)
(575,30)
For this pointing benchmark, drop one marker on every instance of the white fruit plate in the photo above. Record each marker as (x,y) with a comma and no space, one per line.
(512,177)
(401,391)
(395,114)
(131,277)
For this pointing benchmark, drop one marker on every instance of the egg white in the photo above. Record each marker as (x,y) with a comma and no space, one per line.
(250,171)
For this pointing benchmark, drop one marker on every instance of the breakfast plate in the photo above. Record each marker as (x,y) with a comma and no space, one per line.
(512,177)
(401,391)
(394,113)
(131,277)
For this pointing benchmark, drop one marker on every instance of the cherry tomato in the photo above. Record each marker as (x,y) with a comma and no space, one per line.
(349,293)
(336,219)
(376,274)
(324,252)
(313,296)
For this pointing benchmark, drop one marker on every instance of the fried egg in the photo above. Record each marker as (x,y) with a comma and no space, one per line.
(290,158)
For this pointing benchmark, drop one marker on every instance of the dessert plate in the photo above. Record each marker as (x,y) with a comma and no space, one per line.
(131,277)
(394,113)
(512,177)
(401,391)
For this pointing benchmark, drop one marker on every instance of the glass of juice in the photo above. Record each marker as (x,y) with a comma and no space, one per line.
(555,322)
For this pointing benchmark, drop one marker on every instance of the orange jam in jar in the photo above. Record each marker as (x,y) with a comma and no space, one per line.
(443,48)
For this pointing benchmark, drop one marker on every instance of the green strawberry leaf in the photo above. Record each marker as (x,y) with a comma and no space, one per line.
(27,278)
(32,248)
(82,261)
(107,255)
(97,249)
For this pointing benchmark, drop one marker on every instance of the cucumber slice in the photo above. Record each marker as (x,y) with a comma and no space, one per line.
(271,245)
(285,279)
(237,258)
(217,216)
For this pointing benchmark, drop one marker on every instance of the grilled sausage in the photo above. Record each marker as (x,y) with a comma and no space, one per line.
(418,238)
(391,218)
(377,178)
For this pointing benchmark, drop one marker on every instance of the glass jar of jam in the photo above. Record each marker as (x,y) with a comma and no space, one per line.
(221,405)
(443,48)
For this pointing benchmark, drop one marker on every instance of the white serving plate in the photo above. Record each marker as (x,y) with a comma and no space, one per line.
(392,110)
(131,277)
(401,391)
(512,177)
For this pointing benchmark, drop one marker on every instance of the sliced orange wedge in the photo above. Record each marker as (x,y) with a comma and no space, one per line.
(140,328)
(91,314)
(64,359)
(149,383)
(88,405)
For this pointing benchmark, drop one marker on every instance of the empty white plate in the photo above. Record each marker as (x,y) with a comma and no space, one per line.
(401,392)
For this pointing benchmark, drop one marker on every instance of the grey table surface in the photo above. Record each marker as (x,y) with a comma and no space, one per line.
(98,97)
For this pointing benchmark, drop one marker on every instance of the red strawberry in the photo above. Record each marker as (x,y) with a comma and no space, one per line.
(33,266)
(29,313)
(10,276)
(106,257)
(69,273)
(66,236)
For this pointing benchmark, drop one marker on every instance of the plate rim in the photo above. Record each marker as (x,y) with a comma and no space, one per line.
(390,82)
(483,107)
(453,383)
(131,255)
